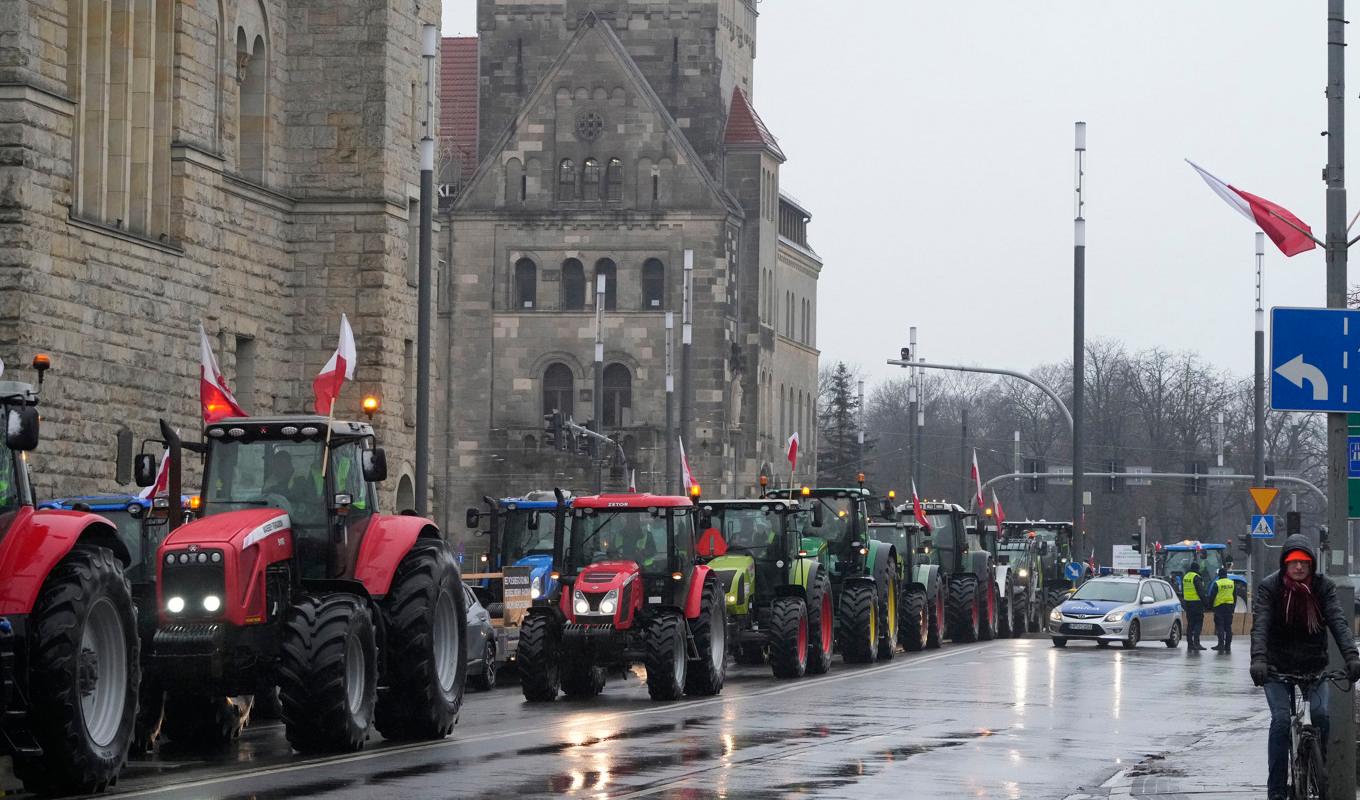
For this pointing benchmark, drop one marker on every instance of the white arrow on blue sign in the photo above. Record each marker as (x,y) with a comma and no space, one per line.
(1263,526)
(1311,350)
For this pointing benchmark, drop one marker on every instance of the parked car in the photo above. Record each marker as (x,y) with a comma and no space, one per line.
(481,649)
(1125,609)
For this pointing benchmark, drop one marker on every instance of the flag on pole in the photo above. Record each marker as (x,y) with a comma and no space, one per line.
(162,484)
(1000,517)
(1288,232)
(977,485)
(685,475)
(213,395)
(791,451)
(917,511)
(632,481)
(340,368)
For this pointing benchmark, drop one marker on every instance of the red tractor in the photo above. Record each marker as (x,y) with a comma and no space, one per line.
(631,591)
(69,670)
(291,577)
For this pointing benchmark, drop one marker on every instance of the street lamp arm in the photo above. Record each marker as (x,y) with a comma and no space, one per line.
(1142,475)
(995,371)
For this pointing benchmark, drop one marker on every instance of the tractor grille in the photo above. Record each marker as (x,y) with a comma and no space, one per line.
(193,577)
(188,639)
(597,577)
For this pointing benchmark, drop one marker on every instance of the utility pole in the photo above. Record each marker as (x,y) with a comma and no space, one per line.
(859,412)
(912,403)
(963,455)
(1078,330)
(1015,456)
(686,356)
(597,422)
(429,39)
(670,403)
(920,422)
(1255,558)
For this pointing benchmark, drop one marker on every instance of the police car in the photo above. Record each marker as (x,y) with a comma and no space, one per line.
(1125,609)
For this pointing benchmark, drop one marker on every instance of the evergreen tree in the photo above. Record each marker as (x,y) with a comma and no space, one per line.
(838,448)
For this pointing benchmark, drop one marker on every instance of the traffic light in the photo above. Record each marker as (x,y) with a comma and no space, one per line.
(1035,485)
(1195,486)
(1244,543)
(552,429)
(585,445)
(1136,539)
(1293,523)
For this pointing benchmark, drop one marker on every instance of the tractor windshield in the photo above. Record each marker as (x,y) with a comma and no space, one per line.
(895,535)
(526,532)
(9,484)
(749,531)
(1178,561)
(841,523)
(282,474)
(640,535)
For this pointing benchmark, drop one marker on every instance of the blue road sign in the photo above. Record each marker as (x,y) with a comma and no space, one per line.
(1353,455)
(1311,350)
(1263,526)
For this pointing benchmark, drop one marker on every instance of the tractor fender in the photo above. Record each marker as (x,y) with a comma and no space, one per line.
(386,542)
(803,573)
(979,564)
(791,590)
(694,595)
(927,578)
(36,541)
(335,586)
(549,610)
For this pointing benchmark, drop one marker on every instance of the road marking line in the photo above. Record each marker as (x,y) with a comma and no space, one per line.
(792,686)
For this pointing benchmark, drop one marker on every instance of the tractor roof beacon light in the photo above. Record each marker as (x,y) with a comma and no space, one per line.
(860,478)
(807,492)
(892,494)
(42,362)
(695,491)
(370,406)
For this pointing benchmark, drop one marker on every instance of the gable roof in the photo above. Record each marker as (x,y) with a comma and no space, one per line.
(745,128)
(458,98)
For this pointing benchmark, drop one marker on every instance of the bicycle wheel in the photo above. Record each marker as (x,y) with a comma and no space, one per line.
(1317,772)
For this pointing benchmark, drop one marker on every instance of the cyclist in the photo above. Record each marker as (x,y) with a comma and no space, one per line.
(1294,609)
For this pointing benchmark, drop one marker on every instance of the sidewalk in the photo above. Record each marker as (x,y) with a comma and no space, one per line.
(1229,761)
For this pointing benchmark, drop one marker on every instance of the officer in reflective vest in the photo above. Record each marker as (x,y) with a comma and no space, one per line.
(1225,602)
(1192,591)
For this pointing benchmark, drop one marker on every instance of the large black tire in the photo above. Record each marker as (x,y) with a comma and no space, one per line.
(913,625)
(857,623)
(935,620)
(328,673)
(821,625)
(1173,639)
(1020,618)
(888,598)
(788,636)
(706,675)
(84,610)
(426,616)
(200,721)
(962,608)
(1135,634)
(667,659)
(538,658)
(988,609)
(1005,612)
(581,679)
(1052,599)
(150,715)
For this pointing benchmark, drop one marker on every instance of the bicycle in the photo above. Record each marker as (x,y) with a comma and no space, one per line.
(1307,767)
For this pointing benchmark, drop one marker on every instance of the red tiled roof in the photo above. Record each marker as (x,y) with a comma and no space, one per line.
(458,91)
(745,127)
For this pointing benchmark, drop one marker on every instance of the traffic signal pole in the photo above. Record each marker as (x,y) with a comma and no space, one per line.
(1078,333)
(1257,552)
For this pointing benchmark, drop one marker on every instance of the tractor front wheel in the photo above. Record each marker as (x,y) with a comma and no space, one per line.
(667,660)
(962,608)
(913,627)
(706,675)
(789,637)
(537,659)
(858,622)
(426,616)
(328,673)
(821,626)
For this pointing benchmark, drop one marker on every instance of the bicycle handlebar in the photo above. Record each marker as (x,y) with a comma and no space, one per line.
(1299,679)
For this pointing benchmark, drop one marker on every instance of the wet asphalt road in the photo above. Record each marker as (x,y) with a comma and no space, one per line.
(1010,718)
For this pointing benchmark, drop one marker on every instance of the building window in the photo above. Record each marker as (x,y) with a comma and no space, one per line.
(245,370)
(614,180)
(653,285)
(558,390)
(252,60)
(618,395)
(408,400)
(590,180)
(526,283)
(566,180)
(573,285)
(607,268)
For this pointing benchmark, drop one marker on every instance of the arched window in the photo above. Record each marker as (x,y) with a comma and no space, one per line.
(653,285)
(573,285)
(558,389)
(566,180)
(614,180)
(590,180)
(607,268)
(618,395)
(252,60)
(526,283)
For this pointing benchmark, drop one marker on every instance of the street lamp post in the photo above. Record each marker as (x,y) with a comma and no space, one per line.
(670,403)
(1257,554)
(429,48)
(597,422)
(1078,328)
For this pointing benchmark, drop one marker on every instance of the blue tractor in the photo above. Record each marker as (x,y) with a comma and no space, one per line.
(1171,562)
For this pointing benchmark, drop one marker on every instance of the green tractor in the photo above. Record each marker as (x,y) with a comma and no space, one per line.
(1019,550)
(777,584)
(920,607)
(863,572)
(1062,571)
(968,571)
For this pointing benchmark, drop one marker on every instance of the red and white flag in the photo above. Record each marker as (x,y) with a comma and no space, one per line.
(213,395)
(917,511)
(632,481)
(162,484)
(1288,232)
(685,475)
(791,451)
(977,485)
(340,368)
(1000,517)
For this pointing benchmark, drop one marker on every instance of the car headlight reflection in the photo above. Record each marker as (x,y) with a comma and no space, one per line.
(174,605)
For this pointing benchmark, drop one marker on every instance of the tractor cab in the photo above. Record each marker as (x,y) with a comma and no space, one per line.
(762,537)
(1173,561)
(520,533)
(948,538)
(839,519)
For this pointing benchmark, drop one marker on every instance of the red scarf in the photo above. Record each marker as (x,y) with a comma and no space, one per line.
(1301,607)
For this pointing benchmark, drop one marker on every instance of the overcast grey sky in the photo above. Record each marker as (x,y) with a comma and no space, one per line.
(932,142)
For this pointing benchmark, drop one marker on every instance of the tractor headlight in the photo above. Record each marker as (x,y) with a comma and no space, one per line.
(212,603)
(1055,615)
(731,598)
(1116,616)
(175,604)
(536,587)
(610,602)
(581,605)
(1023,573)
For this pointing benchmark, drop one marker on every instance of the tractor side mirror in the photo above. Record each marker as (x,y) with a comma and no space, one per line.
(122,472)
(21,428)
(375,464)
(144,469)
(705,518)
(474,518)
(817,518)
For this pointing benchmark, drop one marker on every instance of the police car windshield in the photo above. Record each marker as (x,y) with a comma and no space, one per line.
(1180,560)
(1107,591)
(520,539)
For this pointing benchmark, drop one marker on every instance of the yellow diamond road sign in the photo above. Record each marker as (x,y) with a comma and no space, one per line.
(1264,496)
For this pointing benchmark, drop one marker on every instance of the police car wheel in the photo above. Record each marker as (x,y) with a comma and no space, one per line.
(1102,643)
(1132,641)
(1174,640)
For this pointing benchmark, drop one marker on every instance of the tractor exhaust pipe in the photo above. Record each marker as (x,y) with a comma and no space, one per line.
(175,512)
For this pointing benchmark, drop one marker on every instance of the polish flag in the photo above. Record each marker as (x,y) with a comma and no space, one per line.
(686,476)
(977,484)
(917,511)
(213,395)
(791,451)
(340,368)
(1287,231)
(162,484)
(632,481)
(1000,517)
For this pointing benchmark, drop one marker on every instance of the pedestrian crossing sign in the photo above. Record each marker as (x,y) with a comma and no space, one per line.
(1263,526)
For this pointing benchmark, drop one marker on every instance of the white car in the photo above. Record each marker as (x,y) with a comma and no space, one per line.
(1124,609)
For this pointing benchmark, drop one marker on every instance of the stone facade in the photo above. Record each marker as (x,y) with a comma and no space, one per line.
(614,137)
(250,164)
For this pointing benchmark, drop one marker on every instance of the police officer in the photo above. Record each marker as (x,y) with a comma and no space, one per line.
(1225,602)
(1192,591)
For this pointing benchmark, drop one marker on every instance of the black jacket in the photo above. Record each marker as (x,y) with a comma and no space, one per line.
(1289,648)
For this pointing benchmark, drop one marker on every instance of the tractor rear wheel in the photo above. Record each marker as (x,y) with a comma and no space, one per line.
(913,627)
(858,623)
(667,659)
(706,675)
(1052,599)
(962,608)
(1021,617)
(821,626)
(426,619)
(581,679)
(204,721)
(328,673)
(537,659)
(789,637)
(935,620)
(887,617)
(85,675)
